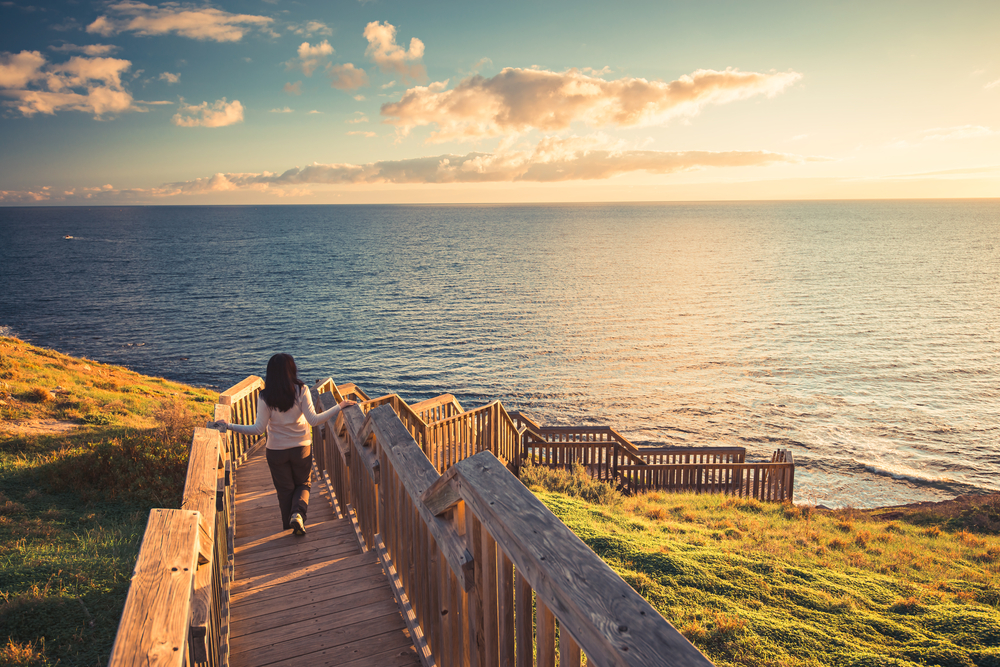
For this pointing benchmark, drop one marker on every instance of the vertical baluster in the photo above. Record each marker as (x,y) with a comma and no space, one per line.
(473,536)
(523,621)
(546,627)
(437,603)
(490,597)
(505,593)
(569,650)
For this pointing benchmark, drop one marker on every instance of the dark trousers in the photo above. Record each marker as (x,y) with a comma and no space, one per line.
(290,472)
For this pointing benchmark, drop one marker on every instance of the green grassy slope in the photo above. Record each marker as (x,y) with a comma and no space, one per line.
(762,584)
(74,504)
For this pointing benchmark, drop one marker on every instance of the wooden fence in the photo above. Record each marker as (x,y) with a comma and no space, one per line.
(445,432)
(609,456)
(772,481)
(484,573)
(469,551)
(177,609)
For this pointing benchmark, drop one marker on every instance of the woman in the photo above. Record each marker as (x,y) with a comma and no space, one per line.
(285,410)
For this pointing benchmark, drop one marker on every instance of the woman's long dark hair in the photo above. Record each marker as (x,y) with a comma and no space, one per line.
(281,384)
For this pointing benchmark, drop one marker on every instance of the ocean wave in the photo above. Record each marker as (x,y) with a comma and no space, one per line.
(903,472)
(7,332)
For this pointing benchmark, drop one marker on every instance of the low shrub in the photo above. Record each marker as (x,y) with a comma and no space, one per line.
(575,482)
(39,395)
(128,464)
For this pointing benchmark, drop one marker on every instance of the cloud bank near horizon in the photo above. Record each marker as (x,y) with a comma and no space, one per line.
(554,159)
(517,100)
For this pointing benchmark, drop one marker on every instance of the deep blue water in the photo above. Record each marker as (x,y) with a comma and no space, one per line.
(865,336)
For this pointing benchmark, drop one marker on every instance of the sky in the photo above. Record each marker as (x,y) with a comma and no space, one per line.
(314,102)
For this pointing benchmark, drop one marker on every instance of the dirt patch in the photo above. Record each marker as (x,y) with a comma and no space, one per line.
(38,427)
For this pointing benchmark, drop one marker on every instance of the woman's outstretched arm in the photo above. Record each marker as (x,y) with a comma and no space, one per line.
(309,412)
(257,428)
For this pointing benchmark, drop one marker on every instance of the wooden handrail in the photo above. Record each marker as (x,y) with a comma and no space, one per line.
(437,408)
(177,610)
(464,549)
(238,391)
(154,625)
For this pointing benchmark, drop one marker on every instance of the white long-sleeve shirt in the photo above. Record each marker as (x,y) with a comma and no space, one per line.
(290,428)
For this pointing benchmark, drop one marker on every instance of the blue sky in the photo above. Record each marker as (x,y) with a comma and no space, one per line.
(316,102)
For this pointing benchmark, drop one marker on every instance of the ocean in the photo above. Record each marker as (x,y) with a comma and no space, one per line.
(864,336)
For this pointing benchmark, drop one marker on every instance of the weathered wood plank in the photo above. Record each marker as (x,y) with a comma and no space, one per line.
(154,624)
(617,627)
(417,474)
(238,391)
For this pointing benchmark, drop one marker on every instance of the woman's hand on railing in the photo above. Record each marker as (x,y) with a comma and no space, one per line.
(346,403)
(221,426)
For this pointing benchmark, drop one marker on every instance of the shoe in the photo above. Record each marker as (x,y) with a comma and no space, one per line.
(298,525)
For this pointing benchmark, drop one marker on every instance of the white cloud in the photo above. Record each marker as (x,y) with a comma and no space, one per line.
(218,114)
(311,28)
(390,56)
(481,63)
(958,132)
(89,49)
(359,133)
(517,100)
(386,86)
(359,98)
(362,118)
(992,84)
(170,78)
(282,110)
(93,85)
(314,111)
(187,20)
(553,159)
(310,56)
(294,88)
(347,77)
(18,69)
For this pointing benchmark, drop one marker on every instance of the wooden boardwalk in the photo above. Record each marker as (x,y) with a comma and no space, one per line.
(311,600)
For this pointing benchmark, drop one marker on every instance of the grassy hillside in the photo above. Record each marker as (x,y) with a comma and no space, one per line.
(86,449)
(773,585)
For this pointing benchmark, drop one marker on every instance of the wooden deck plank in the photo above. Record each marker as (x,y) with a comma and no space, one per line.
(358,642)
(288,609)
(315,599)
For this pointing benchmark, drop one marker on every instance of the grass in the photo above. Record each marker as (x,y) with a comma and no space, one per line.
(74,505)
(751,583)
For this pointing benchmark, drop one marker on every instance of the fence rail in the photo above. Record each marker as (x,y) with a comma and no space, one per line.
(177,609)
(764,481)
(477,563)
(471,553)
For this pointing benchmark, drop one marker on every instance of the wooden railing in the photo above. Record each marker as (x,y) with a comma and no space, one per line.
(445,432)
(607,455)
(772,481)
(241,401)
(469,551)
(685,455)
(438,408)
(484,573)
(177,609)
